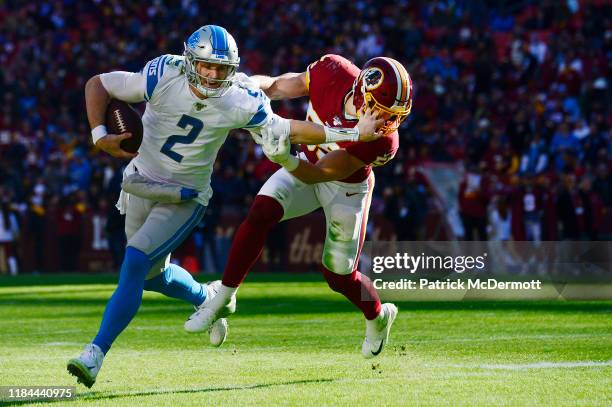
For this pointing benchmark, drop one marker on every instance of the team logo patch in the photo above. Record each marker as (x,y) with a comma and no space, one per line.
(373,78)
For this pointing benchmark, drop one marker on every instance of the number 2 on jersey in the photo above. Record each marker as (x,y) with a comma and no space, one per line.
(196,128)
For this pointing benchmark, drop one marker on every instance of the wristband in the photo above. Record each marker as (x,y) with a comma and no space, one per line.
(98,132)
(291,163)
(335,134)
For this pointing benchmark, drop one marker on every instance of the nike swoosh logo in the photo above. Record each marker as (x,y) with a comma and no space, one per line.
(379,349)
(352,193)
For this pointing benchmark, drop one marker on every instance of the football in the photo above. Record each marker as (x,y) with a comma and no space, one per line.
(121,117)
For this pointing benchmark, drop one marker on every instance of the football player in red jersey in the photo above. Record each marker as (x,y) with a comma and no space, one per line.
(335,176)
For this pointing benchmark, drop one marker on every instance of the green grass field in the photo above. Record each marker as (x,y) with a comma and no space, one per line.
(294,342)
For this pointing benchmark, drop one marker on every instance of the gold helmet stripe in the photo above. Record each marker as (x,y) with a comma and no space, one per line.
(398,79)
(402,79)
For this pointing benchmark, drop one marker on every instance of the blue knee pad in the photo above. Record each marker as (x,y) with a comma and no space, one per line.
(126,299)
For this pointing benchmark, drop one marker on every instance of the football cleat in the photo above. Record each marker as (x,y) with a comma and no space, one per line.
(213,308)
(86,367)
(377,331)
(217,332)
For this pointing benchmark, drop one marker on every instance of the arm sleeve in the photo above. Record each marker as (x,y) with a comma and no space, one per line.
(377,152)
(136,87)
(126,86)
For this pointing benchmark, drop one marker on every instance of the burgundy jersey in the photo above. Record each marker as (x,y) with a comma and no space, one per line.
(330,81)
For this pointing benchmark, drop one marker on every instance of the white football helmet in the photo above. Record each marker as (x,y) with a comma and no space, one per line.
(212,44)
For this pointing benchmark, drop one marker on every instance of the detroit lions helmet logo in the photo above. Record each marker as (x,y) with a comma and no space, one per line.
(194,39)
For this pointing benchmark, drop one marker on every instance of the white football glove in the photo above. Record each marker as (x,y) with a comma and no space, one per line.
(275,127)
(279,150)
(256,137)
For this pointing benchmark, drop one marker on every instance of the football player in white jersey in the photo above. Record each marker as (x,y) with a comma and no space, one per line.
(193,101)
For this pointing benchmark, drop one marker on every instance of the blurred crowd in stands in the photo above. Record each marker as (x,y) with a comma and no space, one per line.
(517,91)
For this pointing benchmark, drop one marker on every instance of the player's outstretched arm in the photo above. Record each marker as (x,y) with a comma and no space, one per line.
(336,165)
(96,101)
(292,85)
(287,86)
(303,132)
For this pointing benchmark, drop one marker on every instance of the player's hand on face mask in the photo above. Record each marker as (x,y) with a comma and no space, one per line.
(111,143)
(368,124)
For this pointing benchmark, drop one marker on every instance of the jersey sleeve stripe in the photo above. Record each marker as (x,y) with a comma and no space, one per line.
(152,72)
(151,83)
(258,118)
(162,66)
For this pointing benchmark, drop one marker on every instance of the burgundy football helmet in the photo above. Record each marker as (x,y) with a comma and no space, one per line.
(384,84)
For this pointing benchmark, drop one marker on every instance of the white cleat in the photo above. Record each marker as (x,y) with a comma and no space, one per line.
(87,365)
(377,331)
(214,307)
(217,333)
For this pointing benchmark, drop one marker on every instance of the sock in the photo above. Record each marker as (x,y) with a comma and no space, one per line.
(374,325)
(358,288)
(222,297)
(126,299)
(176,282)
(250,238)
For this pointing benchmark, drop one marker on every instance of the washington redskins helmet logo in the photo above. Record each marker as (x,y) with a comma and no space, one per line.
(384,84)
(373,77)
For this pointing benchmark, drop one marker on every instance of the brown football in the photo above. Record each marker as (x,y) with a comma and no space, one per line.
(121,117)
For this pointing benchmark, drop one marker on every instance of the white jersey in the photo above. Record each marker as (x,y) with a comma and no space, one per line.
(182,133)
